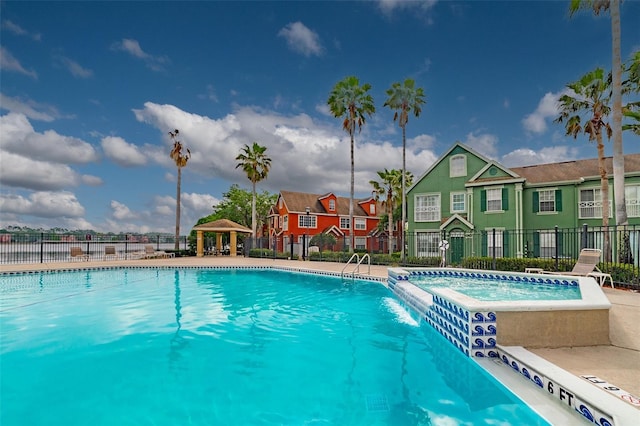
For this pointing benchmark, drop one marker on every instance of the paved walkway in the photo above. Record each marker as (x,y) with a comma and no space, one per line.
(618,363)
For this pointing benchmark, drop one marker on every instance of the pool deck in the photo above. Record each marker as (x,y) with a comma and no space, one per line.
(617,363)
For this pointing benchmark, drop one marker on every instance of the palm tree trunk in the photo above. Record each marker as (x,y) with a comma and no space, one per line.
(618,155)
(390,218)
(404,202)
(177,238)
(253,215)
(351,227)
(604,190)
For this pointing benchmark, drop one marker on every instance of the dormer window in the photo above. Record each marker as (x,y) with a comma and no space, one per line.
(458,165)
(372,209)
(332,205)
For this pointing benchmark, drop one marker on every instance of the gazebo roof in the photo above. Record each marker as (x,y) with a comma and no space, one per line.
(222,225)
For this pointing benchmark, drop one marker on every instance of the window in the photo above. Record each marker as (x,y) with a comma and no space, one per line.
(372,208)
(360,223)
(344,223)
(307,221)
(332,205)
(590,204)
(494,200)
(280,203)
(495,243)
(360,242)
(632,198)
(547,200)
(458,202)
(547,244)
(427,244)
(427,208)
(285,227)
(458,165)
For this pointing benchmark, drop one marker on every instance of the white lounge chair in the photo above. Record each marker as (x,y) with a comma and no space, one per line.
(110,252)
(76,253)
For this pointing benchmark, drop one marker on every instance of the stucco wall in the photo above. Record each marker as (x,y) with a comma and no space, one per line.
(553,329)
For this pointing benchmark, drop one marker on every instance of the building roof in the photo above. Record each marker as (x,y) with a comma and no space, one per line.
(222,225)
(574,170)
(299,201)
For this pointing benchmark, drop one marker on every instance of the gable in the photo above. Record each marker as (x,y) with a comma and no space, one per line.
(438,177)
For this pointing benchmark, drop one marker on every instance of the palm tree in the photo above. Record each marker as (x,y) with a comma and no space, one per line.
(352,102)
(390,186)
(255,164)
(181,159)
(404,98)
(613,6)
(586,112)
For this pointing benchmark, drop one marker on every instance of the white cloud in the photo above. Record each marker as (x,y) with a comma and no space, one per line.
(548,107)
(122,152)
(301,39)
(132,47)
(9,63)
(485,144)
(73,67)
(40,161)
(22,172)
(388,7)
(527,157)
(122,212)
(215,143)
(44,204)
(20,138)
(18,30)
(29,108)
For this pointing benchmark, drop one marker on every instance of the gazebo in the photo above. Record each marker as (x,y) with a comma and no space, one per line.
(220,226)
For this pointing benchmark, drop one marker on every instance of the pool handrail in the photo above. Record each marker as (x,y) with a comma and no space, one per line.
(359,260)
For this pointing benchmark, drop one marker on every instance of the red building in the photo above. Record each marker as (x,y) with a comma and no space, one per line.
(297,217)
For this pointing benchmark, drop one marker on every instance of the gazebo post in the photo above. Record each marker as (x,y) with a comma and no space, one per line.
(199,244)
(219,242)
(233,243)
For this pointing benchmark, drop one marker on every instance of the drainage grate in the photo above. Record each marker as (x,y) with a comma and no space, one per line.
(377,402)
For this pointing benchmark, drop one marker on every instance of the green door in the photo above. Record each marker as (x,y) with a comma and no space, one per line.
(456,242)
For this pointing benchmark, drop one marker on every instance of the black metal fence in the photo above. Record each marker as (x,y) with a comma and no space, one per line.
(555,249)
(46,247)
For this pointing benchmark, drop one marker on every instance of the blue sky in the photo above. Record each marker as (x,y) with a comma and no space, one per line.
(90,90)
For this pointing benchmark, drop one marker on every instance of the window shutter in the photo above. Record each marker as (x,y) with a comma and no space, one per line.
(536,201)
(536,244)
(483,200)
(483,249)
(505,199)
(505,244)
(558,200)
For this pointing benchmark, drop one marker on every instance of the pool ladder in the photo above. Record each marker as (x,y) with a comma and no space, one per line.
(358,261)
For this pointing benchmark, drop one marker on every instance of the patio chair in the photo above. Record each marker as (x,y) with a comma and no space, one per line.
(76,253)
(150,253)
(110,252)
(587,266)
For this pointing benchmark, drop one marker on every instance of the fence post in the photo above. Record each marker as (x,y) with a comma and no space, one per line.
(42,247)
(493,248)
(555,230)
(583,243)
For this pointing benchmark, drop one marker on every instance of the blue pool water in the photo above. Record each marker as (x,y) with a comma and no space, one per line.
(233,347)
(500,290)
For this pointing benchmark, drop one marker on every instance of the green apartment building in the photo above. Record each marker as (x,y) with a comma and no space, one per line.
(483,208)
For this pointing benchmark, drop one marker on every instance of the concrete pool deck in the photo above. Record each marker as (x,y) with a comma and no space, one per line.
(617,363)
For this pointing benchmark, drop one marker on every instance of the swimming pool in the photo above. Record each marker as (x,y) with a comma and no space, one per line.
(233,347)
(494,290)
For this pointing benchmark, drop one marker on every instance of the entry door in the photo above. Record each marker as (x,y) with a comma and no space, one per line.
(456,247)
